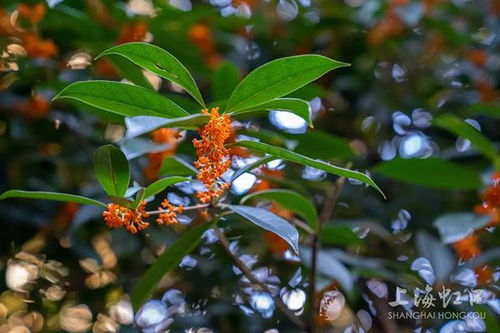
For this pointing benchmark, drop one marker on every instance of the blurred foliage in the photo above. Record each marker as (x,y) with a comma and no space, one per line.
(413,64)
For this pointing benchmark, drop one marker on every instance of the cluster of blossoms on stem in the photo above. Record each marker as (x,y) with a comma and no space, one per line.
(117,216)
(132,219)
(213,158)
(168,213)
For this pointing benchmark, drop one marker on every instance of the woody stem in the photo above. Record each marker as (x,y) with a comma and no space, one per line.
(251,277)
(328,208)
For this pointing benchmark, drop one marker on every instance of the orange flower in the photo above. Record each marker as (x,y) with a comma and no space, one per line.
(213,158)
(132,33)
(467,248)
(39,48)
(478,57)
(161,136)
(168,213)
(484,274)
(491,201)
(200,35)
(118,216)
(36,106)
(104,67)
(33,13)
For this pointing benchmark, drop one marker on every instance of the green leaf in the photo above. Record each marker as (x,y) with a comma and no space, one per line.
(266,136)
(290,200)
(166,262)
(225,78)
(139,197)
(125,202)
(431,172)
(331,146)
(143,124)
(249,167)
(175,166)
(338,234)
(112,170)
(463,129)
(492,110)
(130,71)
(51,196)
(122,98)
(159,62)
(328,265)
(304,160)
(294,105)
(456,226)
(439,255)
(270,222)
(278,78)
(162,184)
(135,147)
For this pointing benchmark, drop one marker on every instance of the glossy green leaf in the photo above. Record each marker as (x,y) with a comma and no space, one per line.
(456,226)
(278,78)
(339,235)
(140,195)
(167,262)
(112,170)
(51,196)
(294,105)
(492,110)
(329,266)
(439,255)
(143,124)
(129,71)
(270,222)
(290,200)
(267,136)
(322,145)
(304,160)
(135,147)
(463,129)
(159,62)
(225,78)
(174,166)
(431,172)
(249,167)
(162,184)
(122,98)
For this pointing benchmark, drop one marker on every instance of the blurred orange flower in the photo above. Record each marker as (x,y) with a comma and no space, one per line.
(33,13)
(36,106)
(39,48)
(135,32)
(200,35)
(166,136)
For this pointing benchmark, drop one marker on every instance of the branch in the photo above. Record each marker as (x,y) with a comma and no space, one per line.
(327,211)
(247,272)
(153,212)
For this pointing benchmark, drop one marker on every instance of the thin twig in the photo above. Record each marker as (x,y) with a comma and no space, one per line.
(201,206)
(303,226)
(326,213)
(247,272)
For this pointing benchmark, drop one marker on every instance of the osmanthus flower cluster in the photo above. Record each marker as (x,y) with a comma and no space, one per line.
(117,216)
(214,159)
